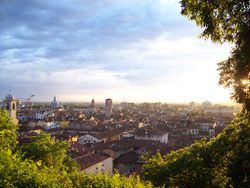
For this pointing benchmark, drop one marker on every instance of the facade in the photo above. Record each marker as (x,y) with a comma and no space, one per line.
(151,134)
(45,124)
(95,163)
(11,105)
(127,163)
(108,108)
(51,125)
(194,131)
(87,139)
(224,110)
(41,115)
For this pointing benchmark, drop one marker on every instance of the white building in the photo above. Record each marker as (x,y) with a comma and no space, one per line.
(87,139)
(46,125)
(147,133)
(95,163)
(194,131)
(41,115)
(51,125)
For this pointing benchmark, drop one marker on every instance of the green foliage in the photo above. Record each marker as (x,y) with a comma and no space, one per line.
(222,20)
(8,135)
(235,71)
(227,20)
(222,162)
(102,180)
(44,163)
(15,172)
(46,149)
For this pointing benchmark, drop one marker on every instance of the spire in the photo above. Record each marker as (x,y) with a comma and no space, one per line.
(54,103)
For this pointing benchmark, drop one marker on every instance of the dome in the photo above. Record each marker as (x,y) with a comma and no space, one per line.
(54,100)
(10,97)
(54,103)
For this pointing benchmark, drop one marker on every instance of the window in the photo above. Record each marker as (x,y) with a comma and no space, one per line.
(8,106)
(13,106)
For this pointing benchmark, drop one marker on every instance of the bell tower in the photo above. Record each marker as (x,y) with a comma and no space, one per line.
(11,103)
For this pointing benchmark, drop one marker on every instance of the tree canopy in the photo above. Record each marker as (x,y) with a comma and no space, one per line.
(44,163)
(8,134)
(221,162)
(46,149)
(227,21)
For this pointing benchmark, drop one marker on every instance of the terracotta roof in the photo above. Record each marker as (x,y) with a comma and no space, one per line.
(79,148)
(87,161)
(148,131)
(110,133)
(118,145)
(74,154)
(64,136)
(127,158)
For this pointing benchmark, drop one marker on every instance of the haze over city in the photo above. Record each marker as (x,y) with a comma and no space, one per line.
(140,50)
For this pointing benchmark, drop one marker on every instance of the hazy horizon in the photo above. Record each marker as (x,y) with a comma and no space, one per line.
(102,101)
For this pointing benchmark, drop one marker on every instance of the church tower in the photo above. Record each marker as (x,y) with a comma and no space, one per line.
(54,104)
(93,103)
(11,103)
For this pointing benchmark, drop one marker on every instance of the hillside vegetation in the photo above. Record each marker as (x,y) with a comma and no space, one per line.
(221,162)
(44,163)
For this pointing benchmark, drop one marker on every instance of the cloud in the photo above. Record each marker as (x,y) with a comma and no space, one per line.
(85,48)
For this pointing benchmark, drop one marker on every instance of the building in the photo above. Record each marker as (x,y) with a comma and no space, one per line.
(106,136)
(108,107)
(219,110)
(41,115)
(47,125)
(11,106)
(93,103)
(95,163)
(207,104)
(149,133)
(127,163)
(88,139)
(54,103)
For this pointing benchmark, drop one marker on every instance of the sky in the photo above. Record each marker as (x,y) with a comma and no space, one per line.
(127,50)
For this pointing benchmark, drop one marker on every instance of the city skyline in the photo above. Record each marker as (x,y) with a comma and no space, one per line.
(138,51)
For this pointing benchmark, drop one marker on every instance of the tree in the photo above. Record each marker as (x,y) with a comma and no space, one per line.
(227,21)
(44,163)
(105,181)
(16,172)
(221,162)
(8,132)
(46,149)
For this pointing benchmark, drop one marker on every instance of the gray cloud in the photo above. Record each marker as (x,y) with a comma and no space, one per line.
(44,43)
